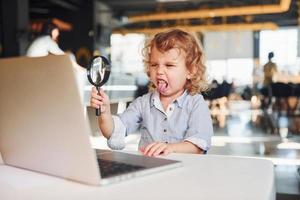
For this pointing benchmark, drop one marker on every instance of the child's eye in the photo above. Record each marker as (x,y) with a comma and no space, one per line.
(170,65)
(153,65)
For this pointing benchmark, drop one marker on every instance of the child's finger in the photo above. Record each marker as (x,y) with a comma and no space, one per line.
(101,90)
(142,149)
(166,152)
(96,96)
(95,93)
(159,150)
(95,103)
(154,148)
(102,93)
(148,147)
(94,90)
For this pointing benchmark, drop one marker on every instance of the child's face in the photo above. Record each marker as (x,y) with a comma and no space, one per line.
(168,72)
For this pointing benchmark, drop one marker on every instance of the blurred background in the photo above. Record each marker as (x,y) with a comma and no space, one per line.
(251,117)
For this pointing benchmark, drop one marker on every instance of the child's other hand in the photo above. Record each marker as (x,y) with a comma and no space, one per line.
(157,148)
(100,100)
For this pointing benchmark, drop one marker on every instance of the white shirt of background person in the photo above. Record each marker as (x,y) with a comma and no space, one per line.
(45,44)
(42,46)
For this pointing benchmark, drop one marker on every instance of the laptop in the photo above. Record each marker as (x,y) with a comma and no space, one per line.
(43,126)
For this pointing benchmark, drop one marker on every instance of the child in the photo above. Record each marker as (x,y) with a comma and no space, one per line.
(173,116)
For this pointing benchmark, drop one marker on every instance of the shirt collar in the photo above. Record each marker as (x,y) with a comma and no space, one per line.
(179,101)
(154,98)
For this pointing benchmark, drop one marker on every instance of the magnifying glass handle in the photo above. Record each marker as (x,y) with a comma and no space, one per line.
(98,110)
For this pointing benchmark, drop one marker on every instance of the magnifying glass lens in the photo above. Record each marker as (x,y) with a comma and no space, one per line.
(98,73)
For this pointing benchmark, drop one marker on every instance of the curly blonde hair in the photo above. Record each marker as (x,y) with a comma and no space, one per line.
(182,40)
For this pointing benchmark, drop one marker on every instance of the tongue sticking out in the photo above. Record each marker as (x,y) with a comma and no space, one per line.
(162,86)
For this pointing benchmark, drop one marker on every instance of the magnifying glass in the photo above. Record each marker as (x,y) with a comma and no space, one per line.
(98,74)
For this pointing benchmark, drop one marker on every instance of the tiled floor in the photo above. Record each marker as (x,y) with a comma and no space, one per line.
(243,135)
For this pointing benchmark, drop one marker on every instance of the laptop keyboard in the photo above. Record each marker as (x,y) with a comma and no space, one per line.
(110,168)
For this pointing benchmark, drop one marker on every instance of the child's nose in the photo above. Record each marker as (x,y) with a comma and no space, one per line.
(160,70)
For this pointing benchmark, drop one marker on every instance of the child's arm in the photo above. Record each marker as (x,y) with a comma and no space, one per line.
(105,120)
(106,124)
(185,147)
(158,148)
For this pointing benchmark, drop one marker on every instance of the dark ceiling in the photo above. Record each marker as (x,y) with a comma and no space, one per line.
(121,9)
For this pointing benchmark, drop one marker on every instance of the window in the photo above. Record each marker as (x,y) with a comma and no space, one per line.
(238,70)
(126,51)
(283,43)
(230,56)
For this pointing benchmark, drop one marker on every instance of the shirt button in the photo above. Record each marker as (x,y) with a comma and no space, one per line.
(170,109)
(165,119)
(165,130)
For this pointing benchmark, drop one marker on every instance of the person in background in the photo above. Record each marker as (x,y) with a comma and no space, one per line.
(172,116)
(270,69)
(46,43)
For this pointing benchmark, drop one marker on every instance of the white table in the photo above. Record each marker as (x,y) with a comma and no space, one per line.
(202,177)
